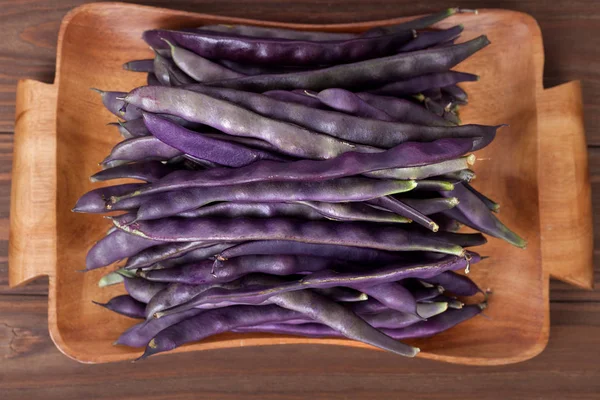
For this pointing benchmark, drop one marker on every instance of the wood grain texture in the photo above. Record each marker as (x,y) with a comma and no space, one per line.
(568,369)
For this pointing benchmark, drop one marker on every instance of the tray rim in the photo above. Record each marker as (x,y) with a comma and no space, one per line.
(533,350)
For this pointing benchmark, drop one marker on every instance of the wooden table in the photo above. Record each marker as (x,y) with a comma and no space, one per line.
(31,367)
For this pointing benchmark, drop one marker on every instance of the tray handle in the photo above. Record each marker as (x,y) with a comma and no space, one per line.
(565,193)
(32,237)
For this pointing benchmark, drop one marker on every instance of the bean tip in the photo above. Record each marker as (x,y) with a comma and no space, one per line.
(468,10)
(433,226)
(441,289)
(98,303)
(471,158)
(98,91)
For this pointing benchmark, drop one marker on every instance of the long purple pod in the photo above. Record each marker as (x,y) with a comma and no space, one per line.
(291,97)
(290,247)
(277,33)
(341,319)
(423,82)
(455,283)
(424,171)
(355,211)
(457,93)
(333,191)
(348,164)
(167,251)
(227,271)
(199,68)
(392,295)
(489,203)
(222,152)
(473,212)
(149,171)
(417,23)
(213,322)
(360,234)
(431,327)
(348,102)
(95,200)
(255,50)
(125,305)
(142,148)
(135,127)
(139,335)
(193,256)
(432,205)
(254,210)
(394,205)
(391,319)
(139,65)
(427,39)
(196,107)
(363,74)
(116,246)
(246,141)
(255,289)
(143,290)
(434,185)
(403,110)
(373,132)
(114,103)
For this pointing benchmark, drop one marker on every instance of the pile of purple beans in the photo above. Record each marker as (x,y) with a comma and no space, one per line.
(297,183)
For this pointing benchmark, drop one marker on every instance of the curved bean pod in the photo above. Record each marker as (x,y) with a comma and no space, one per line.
(199,68)
(253,210)
(424,82)
(431,206)
(114,247)
(278,33)
(114,105)
(125,305)
(360,234)
(174,251)
(348,102)
(489,203)
(333,191)
(287,138)
(403,110)
(424,171)
(393,296)
(289,247)
(142,148)
(473,212)
(95,200)
(372,132)
(348,164)
(197,145)
(143,290)
(230,270)
(427,39)
(258,50)
(396,206)
(363,74)
(149,171)
(455,283)
(417,23)
(342,294)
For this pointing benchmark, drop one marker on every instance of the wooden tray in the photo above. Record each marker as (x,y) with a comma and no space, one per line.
(60,136)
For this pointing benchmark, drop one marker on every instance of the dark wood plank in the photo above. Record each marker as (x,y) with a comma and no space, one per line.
(28,47)
(32,367)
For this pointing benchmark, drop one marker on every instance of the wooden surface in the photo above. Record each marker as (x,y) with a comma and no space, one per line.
(33,368)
